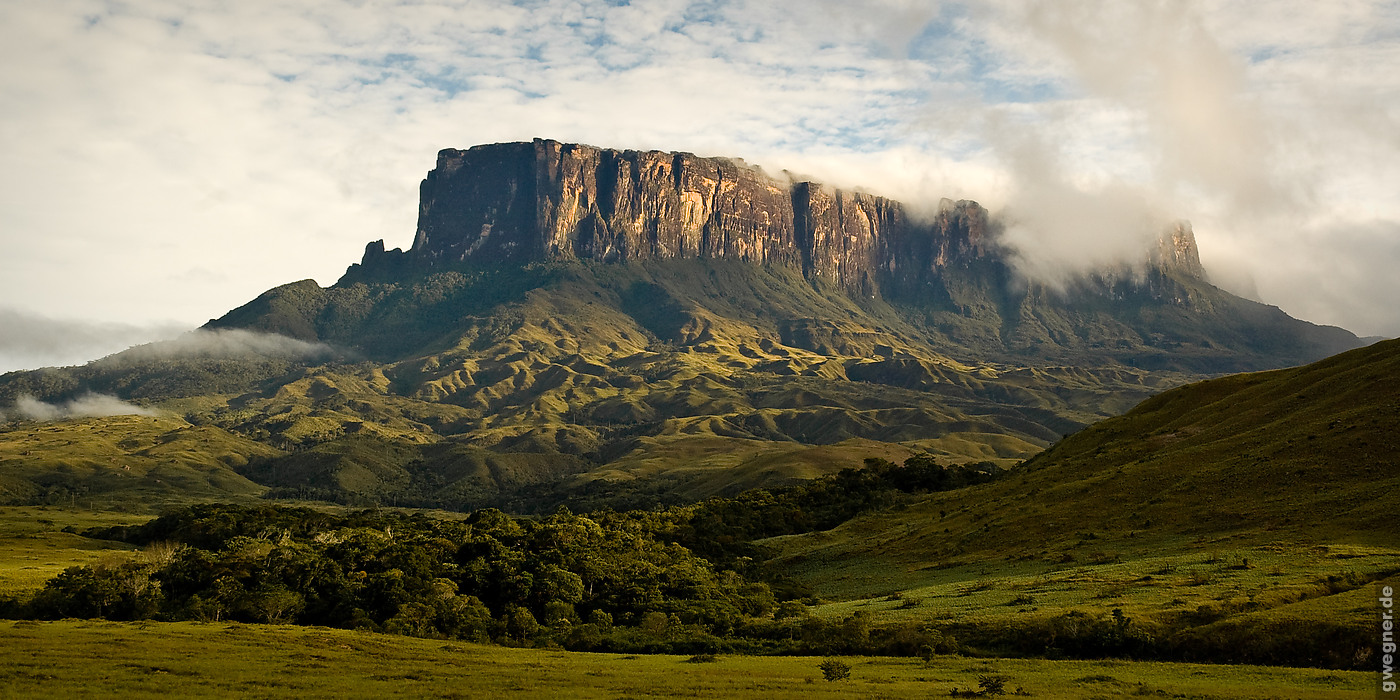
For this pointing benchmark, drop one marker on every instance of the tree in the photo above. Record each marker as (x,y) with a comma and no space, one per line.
(557,613)
(653,623)
(274,603)
(465,617)
(77,592)
(414,620)
(790,608)
(520,624)
(602,618)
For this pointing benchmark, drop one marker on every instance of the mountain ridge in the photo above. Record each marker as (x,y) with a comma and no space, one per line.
(545,200)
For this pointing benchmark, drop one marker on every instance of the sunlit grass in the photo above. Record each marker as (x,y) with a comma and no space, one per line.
(1302,581)
(106,659)
(34,548)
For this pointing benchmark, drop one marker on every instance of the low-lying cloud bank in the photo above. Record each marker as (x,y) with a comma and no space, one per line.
(227,343)
(86,406)
(221,344)
(31,341)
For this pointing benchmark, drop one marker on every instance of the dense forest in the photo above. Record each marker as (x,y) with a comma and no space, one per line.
(686,579)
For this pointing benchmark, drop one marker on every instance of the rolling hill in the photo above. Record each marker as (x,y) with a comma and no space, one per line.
(1308,455)
(1235,519)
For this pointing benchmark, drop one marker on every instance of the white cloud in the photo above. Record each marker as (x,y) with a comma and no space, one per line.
(225,343)
(85,406)
(174,158)
(29,341)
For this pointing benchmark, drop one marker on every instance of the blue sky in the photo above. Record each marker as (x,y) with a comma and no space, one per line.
(162,161)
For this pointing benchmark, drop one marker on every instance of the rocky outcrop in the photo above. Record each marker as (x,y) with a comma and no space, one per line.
(1176,251)
(545,200)
(548,200)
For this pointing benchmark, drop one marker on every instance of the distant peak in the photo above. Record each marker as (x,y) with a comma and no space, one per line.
(1176,250)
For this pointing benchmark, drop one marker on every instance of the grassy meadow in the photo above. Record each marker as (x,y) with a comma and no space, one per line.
(34,547)
(1336,580)
(115,660)
(1246,518)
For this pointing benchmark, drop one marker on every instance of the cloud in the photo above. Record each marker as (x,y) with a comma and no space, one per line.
(85,406)
(222,344)
(227,343)
(29,341)
(173,158)
(1271,136)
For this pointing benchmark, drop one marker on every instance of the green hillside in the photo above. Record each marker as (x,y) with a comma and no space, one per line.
(1242,517)
(1239,520)
(639,383)
(1309,454)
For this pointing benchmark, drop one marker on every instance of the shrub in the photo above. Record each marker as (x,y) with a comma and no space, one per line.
(992,685)
(834,670)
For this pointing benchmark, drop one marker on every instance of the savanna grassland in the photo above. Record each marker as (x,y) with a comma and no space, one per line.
(190,659)
(37,543)
(751,484)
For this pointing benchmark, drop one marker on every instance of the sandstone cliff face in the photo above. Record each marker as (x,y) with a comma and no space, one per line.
(520,202)
(547,200)
(1176,250)
(479,203)
(626,205)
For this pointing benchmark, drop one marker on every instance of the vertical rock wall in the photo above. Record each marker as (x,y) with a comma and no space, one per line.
(517,202)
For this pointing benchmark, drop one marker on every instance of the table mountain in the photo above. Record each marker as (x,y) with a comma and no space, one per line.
(600,326)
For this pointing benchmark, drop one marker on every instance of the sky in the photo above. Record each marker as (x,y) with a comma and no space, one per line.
(164,161)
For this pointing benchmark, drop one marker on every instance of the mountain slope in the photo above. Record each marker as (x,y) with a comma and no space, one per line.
(1307,456)
(1241,520)
(651,326)
(692,366)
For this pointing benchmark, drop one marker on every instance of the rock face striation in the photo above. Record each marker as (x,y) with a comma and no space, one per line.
(1176,250)
(545,200)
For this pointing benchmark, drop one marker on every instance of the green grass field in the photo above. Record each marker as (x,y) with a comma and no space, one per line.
(34,548)
(114,660)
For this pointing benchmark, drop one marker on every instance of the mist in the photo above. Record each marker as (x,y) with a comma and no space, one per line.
(227,343)
(220,344)
(31,341)
(1149,124)
(1177,110)
(86,406)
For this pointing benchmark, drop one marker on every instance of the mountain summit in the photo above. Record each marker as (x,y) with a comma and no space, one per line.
(545,200)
